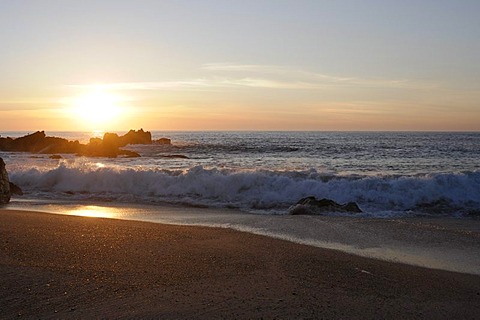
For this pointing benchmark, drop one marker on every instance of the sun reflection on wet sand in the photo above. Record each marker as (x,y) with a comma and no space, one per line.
(94,212)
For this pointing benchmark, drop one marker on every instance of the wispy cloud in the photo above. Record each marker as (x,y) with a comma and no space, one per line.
(225,75)
(148,85)
(307,79)
(32,104)
(195,84)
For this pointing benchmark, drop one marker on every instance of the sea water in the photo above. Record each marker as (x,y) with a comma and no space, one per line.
(386,174)
(419,192)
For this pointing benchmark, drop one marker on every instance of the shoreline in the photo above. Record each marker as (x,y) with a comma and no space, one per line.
(435,243)
(68,266)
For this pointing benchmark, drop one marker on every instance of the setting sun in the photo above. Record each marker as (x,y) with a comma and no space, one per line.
(98,109)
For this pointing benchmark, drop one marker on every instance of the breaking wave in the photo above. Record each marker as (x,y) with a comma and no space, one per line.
(257,191)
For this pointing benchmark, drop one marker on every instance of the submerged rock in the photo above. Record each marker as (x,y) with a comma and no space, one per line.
(312,206)
(4,184)
(174,156)
(445,206)
(129,154)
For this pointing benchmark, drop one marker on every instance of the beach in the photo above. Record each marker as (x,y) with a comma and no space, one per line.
(239,160)
(58,266)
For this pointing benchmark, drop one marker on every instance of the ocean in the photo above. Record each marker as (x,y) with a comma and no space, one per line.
(419,191)
(388,174)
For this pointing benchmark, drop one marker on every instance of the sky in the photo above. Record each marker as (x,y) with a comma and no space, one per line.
(239,65)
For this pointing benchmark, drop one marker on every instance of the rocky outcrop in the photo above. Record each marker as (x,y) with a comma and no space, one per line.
(136,137)
(98,148)
(38,142)
(163,141)
(109,146)
(132,137)
(14,189)
(4,184)
(312,206)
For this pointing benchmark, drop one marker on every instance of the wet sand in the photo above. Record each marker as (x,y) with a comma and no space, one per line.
(57,266)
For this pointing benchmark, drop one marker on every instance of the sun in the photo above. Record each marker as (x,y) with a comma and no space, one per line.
(97,109)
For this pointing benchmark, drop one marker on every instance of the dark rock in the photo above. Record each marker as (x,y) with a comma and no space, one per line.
(445,206)
(473,213)
(109,146)
(4,184)
(38,142)
(100,148)
(30,143)
(97,148)
(56,157)
(14,189)
(439,206)
(112,139)
(135,137)
(6,144)
(175,156)
(132,137)
(60,145)
(111,142)
(128,153)
(163,141)
(352,207)
(312,206)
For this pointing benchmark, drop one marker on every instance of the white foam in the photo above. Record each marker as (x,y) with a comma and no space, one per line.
(267,191)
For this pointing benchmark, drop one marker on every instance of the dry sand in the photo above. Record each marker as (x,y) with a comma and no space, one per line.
(56,266)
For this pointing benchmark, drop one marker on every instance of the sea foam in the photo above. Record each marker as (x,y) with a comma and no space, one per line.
(256,190)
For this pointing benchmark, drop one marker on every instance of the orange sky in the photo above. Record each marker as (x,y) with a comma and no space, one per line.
(265,65)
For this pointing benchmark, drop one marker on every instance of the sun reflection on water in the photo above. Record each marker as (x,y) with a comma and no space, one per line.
(93,211)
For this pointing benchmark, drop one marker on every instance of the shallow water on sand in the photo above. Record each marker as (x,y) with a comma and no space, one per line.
(439,243)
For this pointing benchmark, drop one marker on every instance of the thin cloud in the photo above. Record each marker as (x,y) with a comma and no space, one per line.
(200,85)
(28,105)
(152,85)
(310,80)
(224,75)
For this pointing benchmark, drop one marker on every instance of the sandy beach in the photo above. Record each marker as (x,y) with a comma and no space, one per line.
(57,266)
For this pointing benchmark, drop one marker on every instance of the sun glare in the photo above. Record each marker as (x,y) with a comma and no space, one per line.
(92,211)
(97,109)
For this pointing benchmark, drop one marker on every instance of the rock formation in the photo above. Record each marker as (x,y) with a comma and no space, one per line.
(163,141)
(132,137)
(38,142)
(109,146)
(14,189)
(312,206)
(4,184)
(136,137)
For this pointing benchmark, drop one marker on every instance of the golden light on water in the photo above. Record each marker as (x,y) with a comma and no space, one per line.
(93,211)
